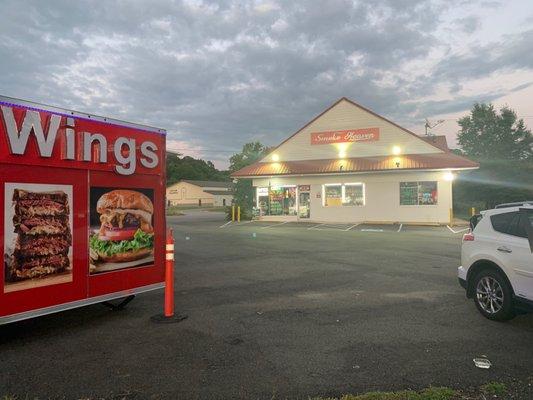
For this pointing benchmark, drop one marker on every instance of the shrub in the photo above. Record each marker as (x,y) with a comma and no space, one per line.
(494,388)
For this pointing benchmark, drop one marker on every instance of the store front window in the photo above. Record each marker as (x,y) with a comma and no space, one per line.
(332,195)
(348,194)
(418,193)
(354,194)
(277,200)
(282,200)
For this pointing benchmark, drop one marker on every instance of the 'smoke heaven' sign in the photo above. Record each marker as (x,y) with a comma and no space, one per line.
(347,136)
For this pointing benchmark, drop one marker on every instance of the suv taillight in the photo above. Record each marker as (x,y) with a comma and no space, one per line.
(468,237)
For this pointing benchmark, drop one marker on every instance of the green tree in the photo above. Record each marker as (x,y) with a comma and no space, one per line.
(488,134)
(190,168)
(503,146)
(244,193)
(250,153)
(495,182)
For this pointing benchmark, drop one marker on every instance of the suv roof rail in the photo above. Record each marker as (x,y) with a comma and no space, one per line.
(515,204)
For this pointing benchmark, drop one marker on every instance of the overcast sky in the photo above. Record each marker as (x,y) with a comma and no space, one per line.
(218,74)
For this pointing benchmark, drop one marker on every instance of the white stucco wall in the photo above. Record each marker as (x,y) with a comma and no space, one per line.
(346,115)
(382,197)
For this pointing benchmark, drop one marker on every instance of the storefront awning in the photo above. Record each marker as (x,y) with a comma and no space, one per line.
(362,164)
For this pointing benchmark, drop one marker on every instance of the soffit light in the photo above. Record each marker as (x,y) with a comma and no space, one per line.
(396,150)
(275,157)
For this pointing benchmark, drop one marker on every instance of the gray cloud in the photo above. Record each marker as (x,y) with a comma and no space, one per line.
(512,52)
(217,74)
(468,24)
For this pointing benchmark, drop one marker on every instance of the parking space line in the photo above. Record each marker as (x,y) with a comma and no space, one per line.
(371,230)
(226,224)
(462,230)
(400,228)
(325,227)
(270,226)
(314,226)
(351,227)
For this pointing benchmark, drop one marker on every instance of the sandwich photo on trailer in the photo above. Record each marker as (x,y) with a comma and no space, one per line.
(124,235)
(38,235)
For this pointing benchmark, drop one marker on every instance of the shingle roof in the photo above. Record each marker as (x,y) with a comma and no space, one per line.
(220,192)
(361,164)
(214,184)
(438,141)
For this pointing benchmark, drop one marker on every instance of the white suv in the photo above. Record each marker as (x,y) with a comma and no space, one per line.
(497,261)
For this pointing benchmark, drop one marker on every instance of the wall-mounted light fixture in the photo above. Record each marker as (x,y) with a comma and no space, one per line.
(275,157)
(397,161)
(396,150)
(449,176)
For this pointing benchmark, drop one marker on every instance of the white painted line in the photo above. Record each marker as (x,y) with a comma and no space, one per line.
(313,227)
(351,227)
(327,227)
(227,223)
(271,226)
(371,230)
(400,228)
(459,231)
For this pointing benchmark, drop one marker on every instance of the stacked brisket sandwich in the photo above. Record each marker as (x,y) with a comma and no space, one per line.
(41,221)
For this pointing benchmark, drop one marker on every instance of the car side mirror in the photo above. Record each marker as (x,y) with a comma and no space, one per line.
(474,219)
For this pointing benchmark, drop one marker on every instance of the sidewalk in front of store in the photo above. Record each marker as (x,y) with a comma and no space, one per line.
(261,225)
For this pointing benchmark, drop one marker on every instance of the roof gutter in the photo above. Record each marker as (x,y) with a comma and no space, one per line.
(353,172)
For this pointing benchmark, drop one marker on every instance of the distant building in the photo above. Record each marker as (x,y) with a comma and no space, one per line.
(200,193)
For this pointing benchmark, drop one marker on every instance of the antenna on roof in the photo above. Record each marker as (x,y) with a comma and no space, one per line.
(429,125)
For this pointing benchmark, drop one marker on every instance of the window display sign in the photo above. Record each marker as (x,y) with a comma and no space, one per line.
(418,193)
(83,209)
(347,136)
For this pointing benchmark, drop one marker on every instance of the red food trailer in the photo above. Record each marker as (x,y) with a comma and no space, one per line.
(82,200)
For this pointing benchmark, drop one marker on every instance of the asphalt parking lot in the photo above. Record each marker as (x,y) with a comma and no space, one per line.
(277,311)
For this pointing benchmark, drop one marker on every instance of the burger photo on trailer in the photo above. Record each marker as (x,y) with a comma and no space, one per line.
(122,235)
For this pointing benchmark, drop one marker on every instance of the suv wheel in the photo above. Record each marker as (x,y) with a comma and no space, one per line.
(493,295)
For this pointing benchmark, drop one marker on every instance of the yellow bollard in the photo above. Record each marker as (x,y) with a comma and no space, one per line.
(473,211)
(232,213)
(239,214)
(451,216)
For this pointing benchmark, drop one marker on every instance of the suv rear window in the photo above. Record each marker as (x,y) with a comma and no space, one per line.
(512,223)
(501,222)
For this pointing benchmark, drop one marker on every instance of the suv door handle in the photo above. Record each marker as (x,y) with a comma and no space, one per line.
(504,249)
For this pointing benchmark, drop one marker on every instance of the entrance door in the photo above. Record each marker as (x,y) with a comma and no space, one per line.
(304,205)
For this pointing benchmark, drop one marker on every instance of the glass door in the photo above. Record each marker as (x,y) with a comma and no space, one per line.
(304,205)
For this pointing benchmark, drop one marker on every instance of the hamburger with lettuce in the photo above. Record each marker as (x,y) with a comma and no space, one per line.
(126,232)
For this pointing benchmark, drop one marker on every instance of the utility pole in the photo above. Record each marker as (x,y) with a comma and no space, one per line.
(429,125)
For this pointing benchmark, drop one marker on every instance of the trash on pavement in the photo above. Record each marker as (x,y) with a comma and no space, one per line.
(483,363)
